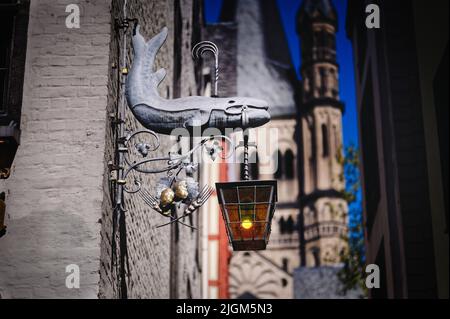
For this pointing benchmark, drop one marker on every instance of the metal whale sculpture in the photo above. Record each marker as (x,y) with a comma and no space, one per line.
(163,115)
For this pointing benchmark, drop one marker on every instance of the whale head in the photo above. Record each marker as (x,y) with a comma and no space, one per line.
(252,112)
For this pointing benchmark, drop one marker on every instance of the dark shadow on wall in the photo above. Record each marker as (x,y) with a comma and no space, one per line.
(119,255)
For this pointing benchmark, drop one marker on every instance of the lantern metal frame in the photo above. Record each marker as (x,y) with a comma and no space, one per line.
(260,236)
(252,242)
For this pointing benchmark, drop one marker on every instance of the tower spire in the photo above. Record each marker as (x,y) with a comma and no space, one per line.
(316,11)
(317,27)
(324,211)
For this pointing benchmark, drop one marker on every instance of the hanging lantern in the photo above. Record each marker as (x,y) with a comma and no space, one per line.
(248,208)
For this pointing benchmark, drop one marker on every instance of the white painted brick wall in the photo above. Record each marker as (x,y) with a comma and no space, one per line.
(149,249)
(54,194)
(58,205)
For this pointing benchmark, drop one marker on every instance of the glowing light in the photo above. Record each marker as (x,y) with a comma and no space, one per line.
(246,224)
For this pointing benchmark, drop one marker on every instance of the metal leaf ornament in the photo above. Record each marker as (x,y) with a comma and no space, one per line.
(193,188)
(190,168)
(214,150)
(143,149)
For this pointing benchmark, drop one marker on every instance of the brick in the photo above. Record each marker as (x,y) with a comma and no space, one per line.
(49,184)
(59,187)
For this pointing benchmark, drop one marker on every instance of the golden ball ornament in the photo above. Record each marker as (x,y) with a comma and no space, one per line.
(167,197)
(181,190)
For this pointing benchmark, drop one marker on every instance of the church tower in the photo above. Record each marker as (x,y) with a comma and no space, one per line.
(323,208)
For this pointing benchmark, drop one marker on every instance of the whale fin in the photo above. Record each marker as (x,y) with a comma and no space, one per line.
(143,81)
(152,48)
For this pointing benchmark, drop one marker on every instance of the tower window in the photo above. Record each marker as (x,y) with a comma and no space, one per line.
(331,41)
(321,38)
(282,225)
(323,80)
(278,158)
(290,227)
(325,142)
(287,226)
(285,263)
(289,164)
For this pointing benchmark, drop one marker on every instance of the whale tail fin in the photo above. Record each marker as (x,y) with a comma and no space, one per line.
(143,80)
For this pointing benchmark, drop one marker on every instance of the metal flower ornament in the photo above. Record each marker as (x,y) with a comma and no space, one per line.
(161,116)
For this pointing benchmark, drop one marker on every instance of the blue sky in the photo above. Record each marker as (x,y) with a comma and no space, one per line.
(288,10)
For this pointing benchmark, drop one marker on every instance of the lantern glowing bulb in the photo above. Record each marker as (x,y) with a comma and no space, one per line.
(247,215)
(247,224)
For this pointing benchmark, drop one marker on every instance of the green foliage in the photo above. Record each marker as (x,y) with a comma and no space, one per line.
(352,275)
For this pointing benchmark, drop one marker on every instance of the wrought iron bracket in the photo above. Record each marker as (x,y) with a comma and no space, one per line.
(124,23)
(133,153)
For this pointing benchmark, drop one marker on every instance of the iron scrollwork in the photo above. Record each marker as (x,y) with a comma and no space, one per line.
(162,116)
(173,189)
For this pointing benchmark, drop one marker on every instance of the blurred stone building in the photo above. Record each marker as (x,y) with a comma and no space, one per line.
(311,215)
(58,205)
(60,89)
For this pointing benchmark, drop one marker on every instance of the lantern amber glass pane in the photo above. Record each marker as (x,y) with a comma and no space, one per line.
(259,230)
(263,194)
(246,194)
(261,212)
(235,231)
(233,212)
(247,233)
(230,195)
(247,211)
